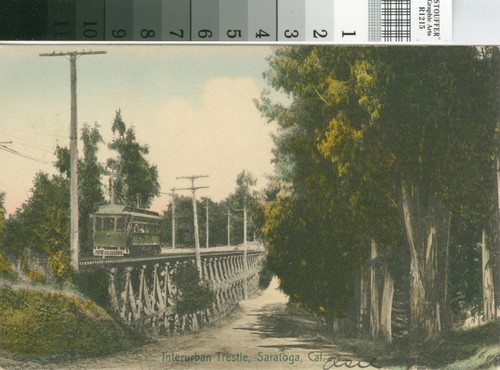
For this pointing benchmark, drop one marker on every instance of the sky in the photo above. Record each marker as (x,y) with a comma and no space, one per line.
(191,104)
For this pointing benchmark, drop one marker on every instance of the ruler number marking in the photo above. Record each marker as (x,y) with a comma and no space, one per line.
(119,34)
(261,34)
(61,28)
(348,33)
(147,34)
(179,35)
(233,33)
(320,34)
(205,34)
(89,31)
(291,34)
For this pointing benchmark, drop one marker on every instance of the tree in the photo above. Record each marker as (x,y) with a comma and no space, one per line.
(5,267)
(184,228)
(2,213)
(90,172)
(437,123)
(323,185)
(11,240)
(402,129)
(184,222)
(42,223)
(135,181)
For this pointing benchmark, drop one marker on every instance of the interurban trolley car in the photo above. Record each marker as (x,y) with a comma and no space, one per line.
(118,230)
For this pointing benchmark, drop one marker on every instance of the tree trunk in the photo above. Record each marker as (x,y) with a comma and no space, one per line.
(425,233)
(446,314)
(374,293)
(489,309)
(386,309)
(363,302)
(381,296)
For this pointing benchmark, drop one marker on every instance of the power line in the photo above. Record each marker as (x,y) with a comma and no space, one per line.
(15,152)
(22,142)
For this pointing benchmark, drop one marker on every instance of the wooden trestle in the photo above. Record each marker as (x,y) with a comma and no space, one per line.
(143,293)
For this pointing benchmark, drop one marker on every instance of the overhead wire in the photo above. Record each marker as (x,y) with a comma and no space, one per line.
(15,152)
(32,145)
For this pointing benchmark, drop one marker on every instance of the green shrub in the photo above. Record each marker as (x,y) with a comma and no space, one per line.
(37,323)
(60,266)
(266,275)
(34,274)
(5,267)
(194,295)
(94,284)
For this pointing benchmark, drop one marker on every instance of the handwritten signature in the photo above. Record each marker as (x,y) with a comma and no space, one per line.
(337,361)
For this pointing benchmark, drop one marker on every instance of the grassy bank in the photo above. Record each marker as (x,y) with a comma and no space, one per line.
(476,348)
(51,324)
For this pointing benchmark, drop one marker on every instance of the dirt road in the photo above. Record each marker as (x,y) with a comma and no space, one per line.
(258,335)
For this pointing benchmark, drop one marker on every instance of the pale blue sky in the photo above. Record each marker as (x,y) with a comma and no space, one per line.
(192,105)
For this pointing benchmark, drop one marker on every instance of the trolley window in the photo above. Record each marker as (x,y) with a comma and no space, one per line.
(98,223)
(109,223)
(120,224)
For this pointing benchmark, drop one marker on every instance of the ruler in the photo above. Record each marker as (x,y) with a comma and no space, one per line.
(270,21)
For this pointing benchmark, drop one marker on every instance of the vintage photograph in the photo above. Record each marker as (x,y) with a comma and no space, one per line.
(257,206)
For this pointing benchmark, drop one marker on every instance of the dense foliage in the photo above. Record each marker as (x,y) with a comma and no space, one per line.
(382,144)
(90,171)
(218,212)
(94,285)
(135,181)
(41,225)
(35,323)
(193,295)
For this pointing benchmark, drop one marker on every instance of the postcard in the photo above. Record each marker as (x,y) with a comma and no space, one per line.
(248,206)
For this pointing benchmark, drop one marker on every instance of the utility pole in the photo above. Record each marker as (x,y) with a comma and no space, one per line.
(245,249)
(74,247)
(195,217)
(245,222)
(207,239)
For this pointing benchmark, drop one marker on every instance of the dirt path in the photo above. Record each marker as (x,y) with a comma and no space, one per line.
(258,335)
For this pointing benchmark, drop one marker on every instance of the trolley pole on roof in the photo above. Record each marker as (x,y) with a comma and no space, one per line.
(74,247)
(195,218)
